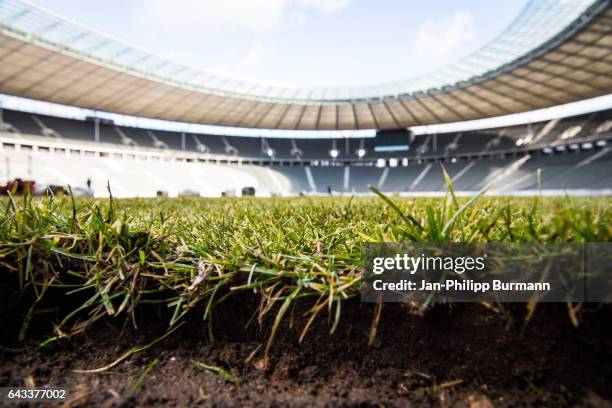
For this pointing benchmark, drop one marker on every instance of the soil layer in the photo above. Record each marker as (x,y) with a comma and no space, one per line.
(464,355)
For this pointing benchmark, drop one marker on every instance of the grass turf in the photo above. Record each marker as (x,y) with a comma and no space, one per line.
(181,255)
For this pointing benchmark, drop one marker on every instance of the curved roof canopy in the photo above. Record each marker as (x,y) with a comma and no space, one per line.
(554,52)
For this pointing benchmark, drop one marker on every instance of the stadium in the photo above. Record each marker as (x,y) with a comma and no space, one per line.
(129,180)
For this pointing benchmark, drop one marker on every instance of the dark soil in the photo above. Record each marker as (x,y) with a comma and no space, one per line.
(464,355)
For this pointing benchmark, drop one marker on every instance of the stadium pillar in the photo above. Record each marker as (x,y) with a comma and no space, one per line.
(97,130)
(183,140)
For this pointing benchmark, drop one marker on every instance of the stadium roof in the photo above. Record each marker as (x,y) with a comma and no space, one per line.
(554,52)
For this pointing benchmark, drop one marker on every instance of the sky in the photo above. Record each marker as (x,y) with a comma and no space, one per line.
(301,43)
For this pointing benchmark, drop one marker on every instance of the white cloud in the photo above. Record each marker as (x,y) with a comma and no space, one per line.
(437,38)
(213,20)
(212,15)
(325,6)
(255,54)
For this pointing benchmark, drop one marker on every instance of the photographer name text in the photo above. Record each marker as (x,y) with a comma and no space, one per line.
(459,286)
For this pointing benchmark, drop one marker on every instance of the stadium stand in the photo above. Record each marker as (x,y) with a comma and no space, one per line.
(570,153)
(529,66)
(578,128)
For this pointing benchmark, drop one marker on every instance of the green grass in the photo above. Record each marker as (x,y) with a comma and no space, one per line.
(188,254)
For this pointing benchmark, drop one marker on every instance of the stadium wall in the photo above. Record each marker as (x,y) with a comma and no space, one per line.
(141,177)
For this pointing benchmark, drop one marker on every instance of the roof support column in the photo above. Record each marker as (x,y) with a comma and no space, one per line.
(97,130)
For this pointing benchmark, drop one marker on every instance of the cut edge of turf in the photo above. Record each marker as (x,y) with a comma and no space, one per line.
(121,260)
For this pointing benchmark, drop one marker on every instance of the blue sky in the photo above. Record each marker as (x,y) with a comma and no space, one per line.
(301,43)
